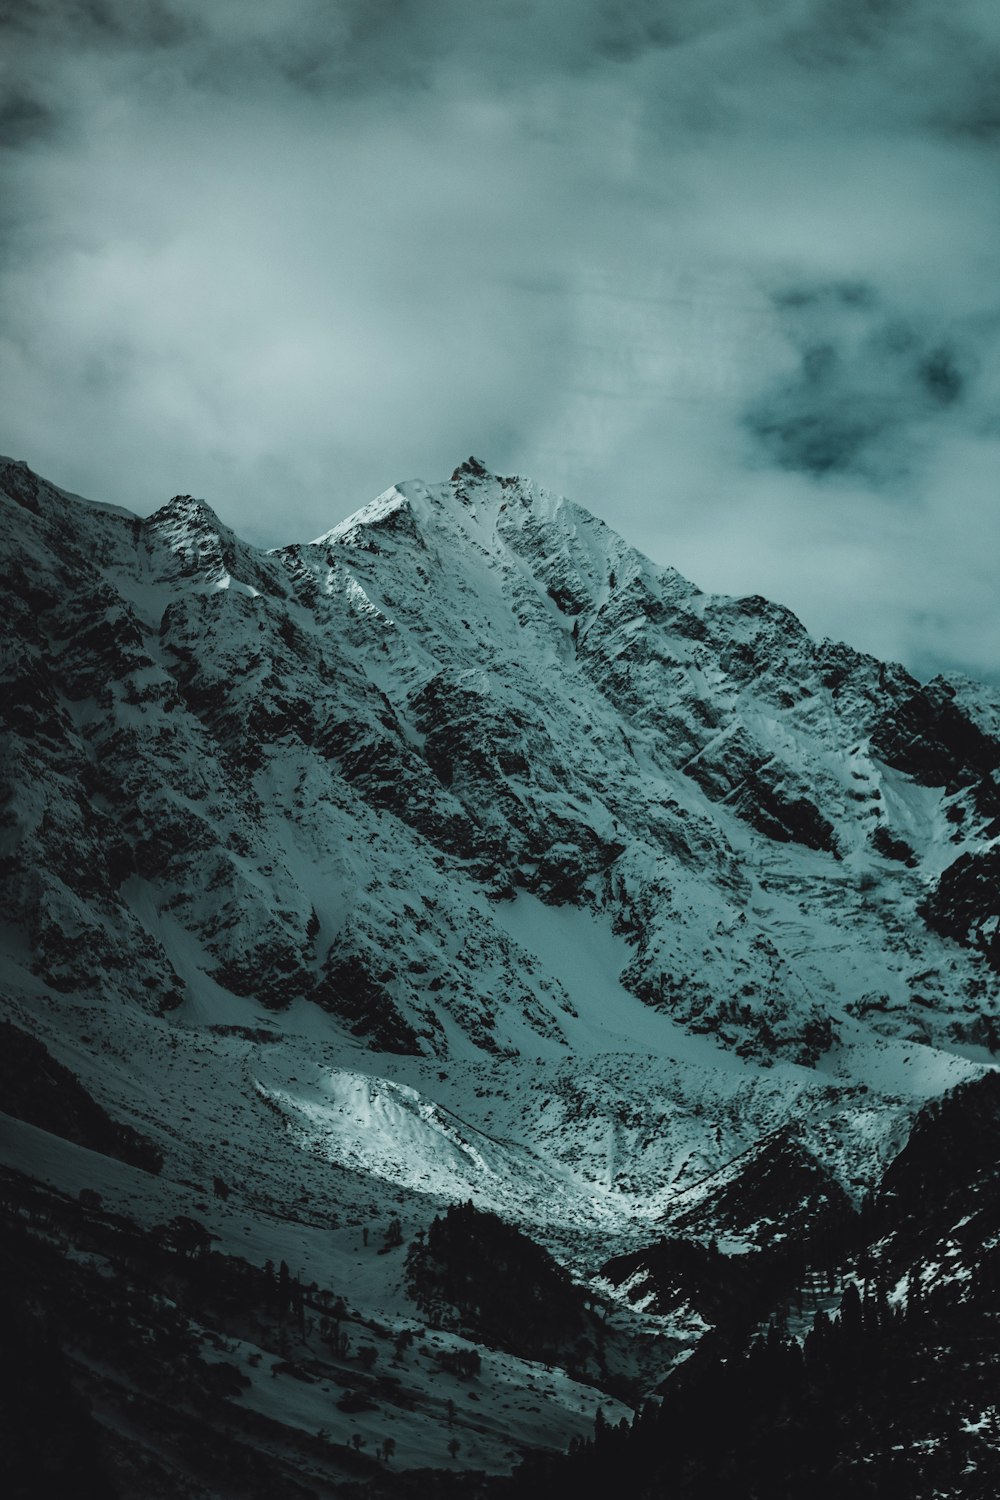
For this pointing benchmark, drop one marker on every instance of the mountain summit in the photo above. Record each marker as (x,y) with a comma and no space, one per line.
(465,852)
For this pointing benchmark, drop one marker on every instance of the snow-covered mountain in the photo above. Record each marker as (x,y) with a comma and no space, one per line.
(466,853)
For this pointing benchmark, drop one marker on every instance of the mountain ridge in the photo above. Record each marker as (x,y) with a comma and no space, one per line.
(462,853)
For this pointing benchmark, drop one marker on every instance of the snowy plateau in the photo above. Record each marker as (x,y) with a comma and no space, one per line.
(461,854)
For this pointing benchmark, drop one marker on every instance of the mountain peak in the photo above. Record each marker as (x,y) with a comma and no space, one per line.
(186,510)
(467,853)
(472,469)
(190,542)
(529,696)
(20,483)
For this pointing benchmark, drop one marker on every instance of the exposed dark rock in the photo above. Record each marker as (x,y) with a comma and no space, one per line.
(883,843)
(929,737)
(954,1140)
(965,904)
(777,1192)
(352,991)
(18,481)
(37,1089)
(681,1275)
(272,972)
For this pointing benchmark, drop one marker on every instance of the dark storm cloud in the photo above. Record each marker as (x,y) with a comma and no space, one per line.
(24,119)
(867,386)
(725,270)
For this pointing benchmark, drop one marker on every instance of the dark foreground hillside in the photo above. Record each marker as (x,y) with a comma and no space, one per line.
(896,1395)
(861,1362)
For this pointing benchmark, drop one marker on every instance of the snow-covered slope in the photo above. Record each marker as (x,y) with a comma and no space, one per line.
(464,852)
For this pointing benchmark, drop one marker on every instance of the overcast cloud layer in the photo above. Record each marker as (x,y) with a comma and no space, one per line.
(725,271)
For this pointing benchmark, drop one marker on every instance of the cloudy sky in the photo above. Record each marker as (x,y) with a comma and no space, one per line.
(725,271)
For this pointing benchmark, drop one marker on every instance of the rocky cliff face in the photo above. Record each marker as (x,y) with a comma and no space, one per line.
(465,851)
(330,764)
